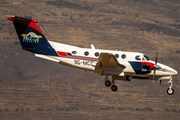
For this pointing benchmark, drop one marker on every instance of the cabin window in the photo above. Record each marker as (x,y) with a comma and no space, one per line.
(86,53)
(117,55)
(96,54)
(123,56)
(74,52)
(138,57)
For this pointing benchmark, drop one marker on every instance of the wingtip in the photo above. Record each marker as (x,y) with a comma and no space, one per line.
(10,17)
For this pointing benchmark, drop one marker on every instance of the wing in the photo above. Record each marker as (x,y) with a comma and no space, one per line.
(108,63)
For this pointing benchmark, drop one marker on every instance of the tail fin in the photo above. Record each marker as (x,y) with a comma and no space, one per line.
(31,37)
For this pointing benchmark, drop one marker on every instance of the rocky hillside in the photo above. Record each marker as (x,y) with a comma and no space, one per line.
(32,88)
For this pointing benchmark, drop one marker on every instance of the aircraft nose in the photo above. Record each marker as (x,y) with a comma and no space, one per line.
(172,71)
(168,70)
(175,72)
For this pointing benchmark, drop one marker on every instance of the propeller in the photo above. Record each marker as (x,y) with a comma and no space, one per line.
(156,67)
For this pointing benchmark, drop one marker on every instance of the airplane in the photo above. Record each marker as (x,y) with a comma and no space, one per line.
(120,65)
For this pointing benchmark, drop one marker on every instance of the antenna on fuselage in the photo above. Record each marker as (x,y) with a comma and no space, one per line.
(92,46)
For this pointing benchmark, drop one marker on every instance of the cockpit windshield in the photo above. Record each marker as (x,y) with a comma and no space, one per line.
(146,57)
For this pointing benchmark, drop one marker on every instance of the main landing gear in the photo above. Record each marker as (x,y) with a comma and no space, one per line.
(170,91)
(108,83)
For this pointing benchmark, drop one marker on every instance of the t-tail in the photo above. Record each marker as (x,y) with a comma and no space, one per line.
(31,37)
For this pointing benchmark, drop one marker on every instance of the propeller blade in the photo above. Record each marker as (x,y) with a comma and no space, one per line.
(156,58)
(154,75)
(155,67)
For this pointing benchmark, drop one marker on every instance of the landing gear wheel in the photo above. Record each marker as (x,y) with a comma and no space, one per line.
(107,83)
(170,91)
(114,88)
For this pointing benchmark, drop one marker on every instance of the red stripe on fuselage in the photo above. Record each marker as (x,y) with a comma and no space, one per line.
(148,63)
(61,53)
(83,58)
(64,54)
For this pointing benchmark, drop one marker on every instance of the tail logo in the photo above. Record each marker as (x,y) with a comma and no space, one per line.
(31,37)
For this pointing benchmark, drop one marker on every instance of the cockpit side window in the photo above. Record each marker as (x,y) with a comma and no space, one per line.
(146,57)
(138,57)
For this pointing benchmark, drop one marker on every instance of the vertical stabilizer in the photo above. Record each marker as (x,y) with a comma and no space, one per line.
(31,37)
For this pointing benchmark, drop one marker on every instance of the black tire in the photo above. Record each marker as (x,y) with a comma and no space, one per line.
(170,92)
(114,88)
(107,83)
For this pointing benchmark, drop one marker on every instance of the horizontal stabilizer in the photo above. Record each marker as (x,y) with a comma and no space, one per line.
(47,57)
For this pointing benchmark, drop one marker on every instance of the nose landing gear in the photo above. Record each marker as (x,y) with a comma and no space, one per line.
(170,91)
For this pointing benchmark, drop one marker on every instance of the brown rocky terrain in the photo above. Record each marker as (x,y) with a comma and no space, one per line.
(32,88)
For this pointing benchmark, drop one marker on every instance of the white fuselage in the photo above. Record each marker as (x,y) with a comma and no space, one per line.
(86,59)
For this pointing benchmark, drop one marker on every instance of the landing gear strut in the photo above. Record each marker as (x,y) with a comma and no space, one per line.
(113,87)
(108,83)
(170,91)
